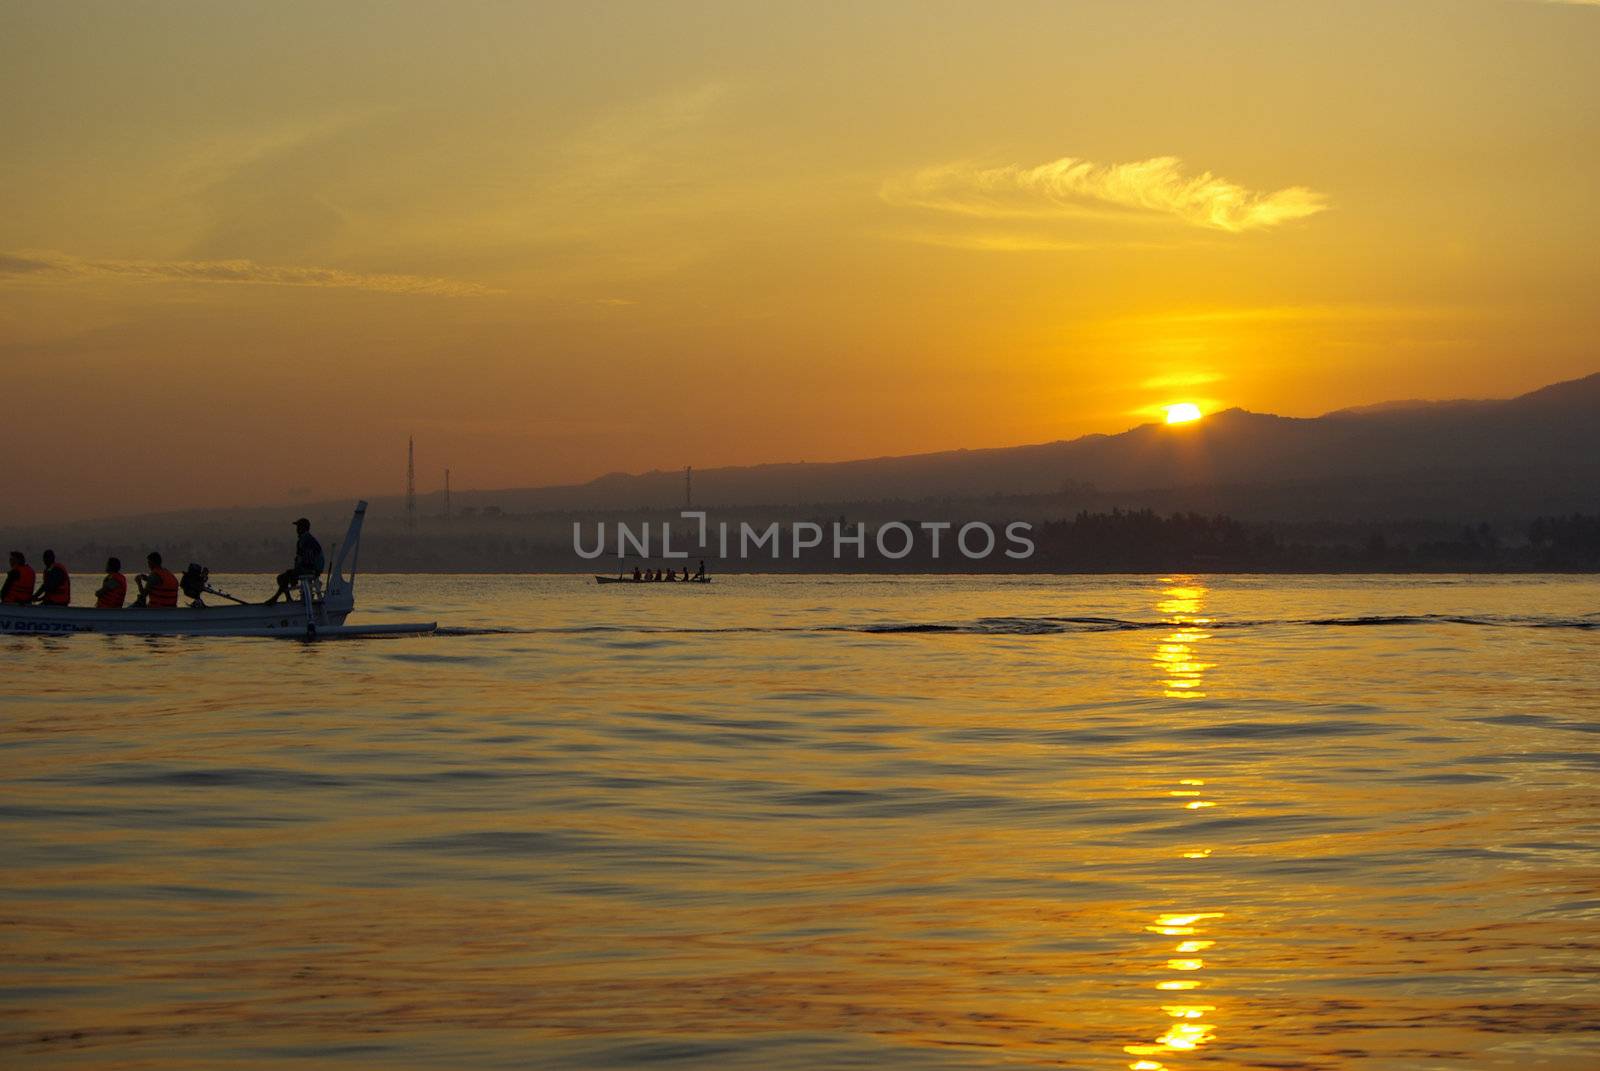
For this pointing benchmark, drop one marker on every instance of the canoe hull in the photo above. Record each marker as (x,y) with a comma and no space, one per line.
(226,620)
(631,580)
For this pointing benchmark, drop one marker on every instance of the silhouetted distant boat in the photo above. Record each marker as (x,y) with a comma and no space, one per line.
(643,580)
(319,615)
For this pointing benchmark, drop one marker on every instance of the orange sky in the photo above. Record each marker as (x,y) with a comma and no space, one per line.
(249,248)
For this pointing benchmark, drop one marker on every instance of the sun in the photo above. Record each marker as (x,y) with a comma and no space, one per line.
(1182,413)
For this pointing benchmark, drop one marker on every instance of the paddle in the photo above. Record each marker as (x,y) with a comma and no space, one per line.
(209,590)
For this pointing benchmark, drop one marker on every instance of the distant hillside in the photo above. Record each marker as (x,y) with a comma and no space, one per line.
(1539,453)
(1457,462)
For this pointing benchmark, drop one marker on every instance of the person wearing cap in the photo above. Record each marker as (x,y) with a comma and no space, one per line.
(308,561)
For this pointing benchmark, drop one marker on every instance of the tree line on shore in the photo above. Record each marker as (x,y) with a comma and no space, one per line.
(1138,540)
(1117,540)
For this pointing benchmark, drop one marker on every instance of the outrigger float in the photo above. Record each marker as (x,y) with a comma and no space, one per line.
(319,614)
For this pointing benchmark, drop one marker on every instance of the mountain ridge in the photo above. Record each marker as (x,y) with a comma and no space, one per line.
(1536,451)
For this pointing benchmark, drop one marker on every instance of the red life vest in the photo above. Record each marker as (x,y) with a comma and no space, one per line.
(22,590)
(115,592)
(162,587)
(62,595)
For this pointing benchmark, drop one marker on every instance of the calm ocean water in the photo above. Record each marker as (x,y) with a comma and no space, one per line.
(1125,822)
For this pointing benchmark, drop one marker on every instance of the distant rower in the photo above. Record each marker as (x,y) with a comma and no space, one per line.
(158,587)
(113,590)
(18,586)
(55,587)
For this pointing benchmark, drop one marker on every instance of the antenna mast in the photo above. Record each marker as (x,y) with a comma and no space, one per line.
(688,486)
(447,494)
(411,482)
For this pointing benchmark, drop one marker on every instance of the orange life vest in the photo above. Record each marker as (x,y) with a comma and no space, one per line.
(162,587)
(115,592)
(22,590)
(62,595)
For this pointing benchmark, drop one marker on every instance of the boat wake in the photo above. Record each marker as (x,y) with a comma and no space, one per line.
(1045,626)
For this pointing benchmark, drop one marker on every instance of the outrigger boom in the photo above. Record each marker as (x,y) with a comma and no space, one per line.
(319,615)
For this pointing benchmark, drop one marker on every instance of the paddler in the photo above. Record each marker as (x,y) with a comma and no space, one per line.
(55,587)
(18,586)
(158,587)
(113,590)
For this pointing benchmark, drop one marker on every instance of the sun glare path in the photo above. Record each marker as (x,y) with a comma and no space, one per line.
(1182,413)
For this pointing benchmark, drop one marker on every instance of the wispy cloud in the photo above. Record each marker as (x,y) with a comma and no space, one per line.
(994,242)
(634,191)
(1157,188)
(1014,241)
(61,267)
(650,144)
(1178,380)
(221,157)
(1353,313)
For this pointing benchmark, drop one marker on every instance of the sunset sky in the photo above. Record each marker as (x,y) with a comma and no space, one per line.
(247,249)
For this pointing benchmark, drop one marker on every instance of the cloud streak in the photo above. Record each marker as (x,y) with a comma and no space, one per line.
(1157,188)
(1351,313)
(60,267)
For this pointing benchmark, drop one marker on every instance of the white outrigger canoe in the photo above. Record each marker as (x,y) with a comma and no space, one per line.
(318,615)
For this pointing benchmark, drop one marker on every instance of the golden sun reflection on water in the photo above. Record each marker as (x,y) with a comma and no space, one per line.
(812,849)
(1184,597)
(1182,675)
(1189,1031)
(1176,654)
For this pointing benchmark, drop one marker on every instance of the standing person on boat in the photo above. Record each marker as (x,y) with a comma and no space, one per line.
(158,587)
(308,561)
(18,586)
(55,587)
(113,590)
(701,575)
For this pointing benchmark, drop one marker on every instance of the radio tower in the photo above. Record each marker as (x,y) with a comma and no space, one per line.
(411,482)
(688,487)
(447,494)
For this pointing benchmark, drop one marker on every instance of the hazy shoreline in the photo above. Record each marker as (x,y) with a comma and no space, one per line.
(1183,570)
